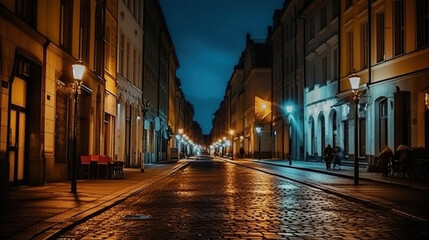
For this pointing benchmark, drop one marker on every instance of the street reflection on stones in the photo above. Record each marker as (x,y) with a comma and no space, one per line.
(215,199)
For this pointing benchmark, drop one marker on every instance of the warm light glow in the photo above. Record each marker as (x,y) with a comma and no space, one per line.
(78,70)
(231,132)
(224,138)
(180,130)
(262,108)
(427,100)
(354,81)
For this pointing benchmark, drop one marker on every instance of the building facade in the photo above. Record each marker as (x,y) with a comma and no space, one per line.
(243,119)
(122,109)
(316,47)
(288,81)
(38,85)
(386,43)
(321,88)
(130,106)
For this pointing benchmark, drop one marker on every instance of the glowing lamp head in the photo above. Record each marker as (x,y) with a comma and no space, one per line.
(354,81)
(258,129)
(78,70)
(289,108)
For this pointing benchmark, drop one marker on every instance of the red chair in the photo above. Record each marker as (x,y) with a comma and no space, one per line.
(95,158)
(103,163)
(94,166)
(85,166)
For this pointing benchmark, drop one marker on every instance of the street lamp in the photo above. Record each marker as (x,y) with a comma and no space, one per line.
(231,132)
(185,140)
(354,83)
(223,146)
(179,139)
(259,130)
(78,71)
(289,109)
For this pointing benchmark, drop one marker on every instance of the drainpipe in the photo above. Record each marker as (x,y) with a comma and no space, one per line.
(157,133)
(369,42)
(129,136)
(295,97)
(304,85)
(273,150)
(45,47)
(168,93)
(338,48)
(283,91)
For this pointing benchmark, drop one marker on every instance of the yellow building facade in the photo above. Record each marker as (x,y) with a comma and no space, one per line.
(37,104)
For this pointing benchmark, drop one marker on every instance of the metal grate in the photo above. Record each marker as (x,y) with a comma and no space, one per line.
(136,217)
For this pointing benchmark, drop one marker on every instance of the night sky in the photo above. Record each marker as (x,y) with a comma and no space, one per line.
(209,36)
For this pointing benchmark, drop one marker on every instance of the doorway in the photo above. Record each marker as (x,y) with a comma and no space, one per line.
(17,161)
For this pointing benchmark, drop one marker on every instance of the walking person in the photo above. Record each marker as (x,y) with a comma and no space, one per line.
(329,154)
(337,158)
(241,152)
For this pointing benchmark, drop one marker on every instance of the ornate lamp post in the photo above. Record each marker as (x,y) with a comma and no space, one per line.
(354,83)
(289,109)
(231,132)
(259,130)
(223,146)
(178,141)
(78,71)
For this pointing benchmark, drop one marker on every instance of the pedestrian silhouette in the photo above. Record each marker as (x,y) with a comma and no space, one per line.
(339,155)
(329,154)
(241,152)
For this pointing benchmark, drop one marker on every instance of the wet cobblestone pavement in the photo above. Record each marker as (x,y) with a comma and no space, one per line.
(218,200)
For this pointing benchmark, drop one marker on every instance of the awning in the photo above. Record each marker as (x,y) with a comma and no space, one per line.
(348,99)
(342,101)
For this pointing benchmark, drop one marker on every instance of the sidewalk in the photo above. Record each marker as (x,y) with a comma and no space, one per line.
(41,212)
(346,171)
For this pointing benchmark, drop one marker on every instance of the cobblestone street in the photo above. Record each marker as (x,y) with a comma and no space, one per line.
(214,199)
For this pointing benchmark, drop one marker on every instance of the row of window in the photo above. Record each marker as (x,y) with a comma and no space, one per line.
(328,69)
(130,58)
(136,8)
(322,17)
(421,33)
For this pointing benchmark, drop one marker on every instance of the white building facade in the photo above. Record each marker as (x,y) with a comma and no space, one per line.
(129,124)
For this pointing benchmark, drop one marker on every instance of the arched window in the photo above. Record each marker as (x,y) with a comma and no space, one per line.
(334,128)
(322,133)
(311,139)
(382,124)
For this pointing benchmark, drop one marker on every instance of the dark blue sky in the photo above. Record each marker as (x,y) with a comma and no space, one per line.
(209,36)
